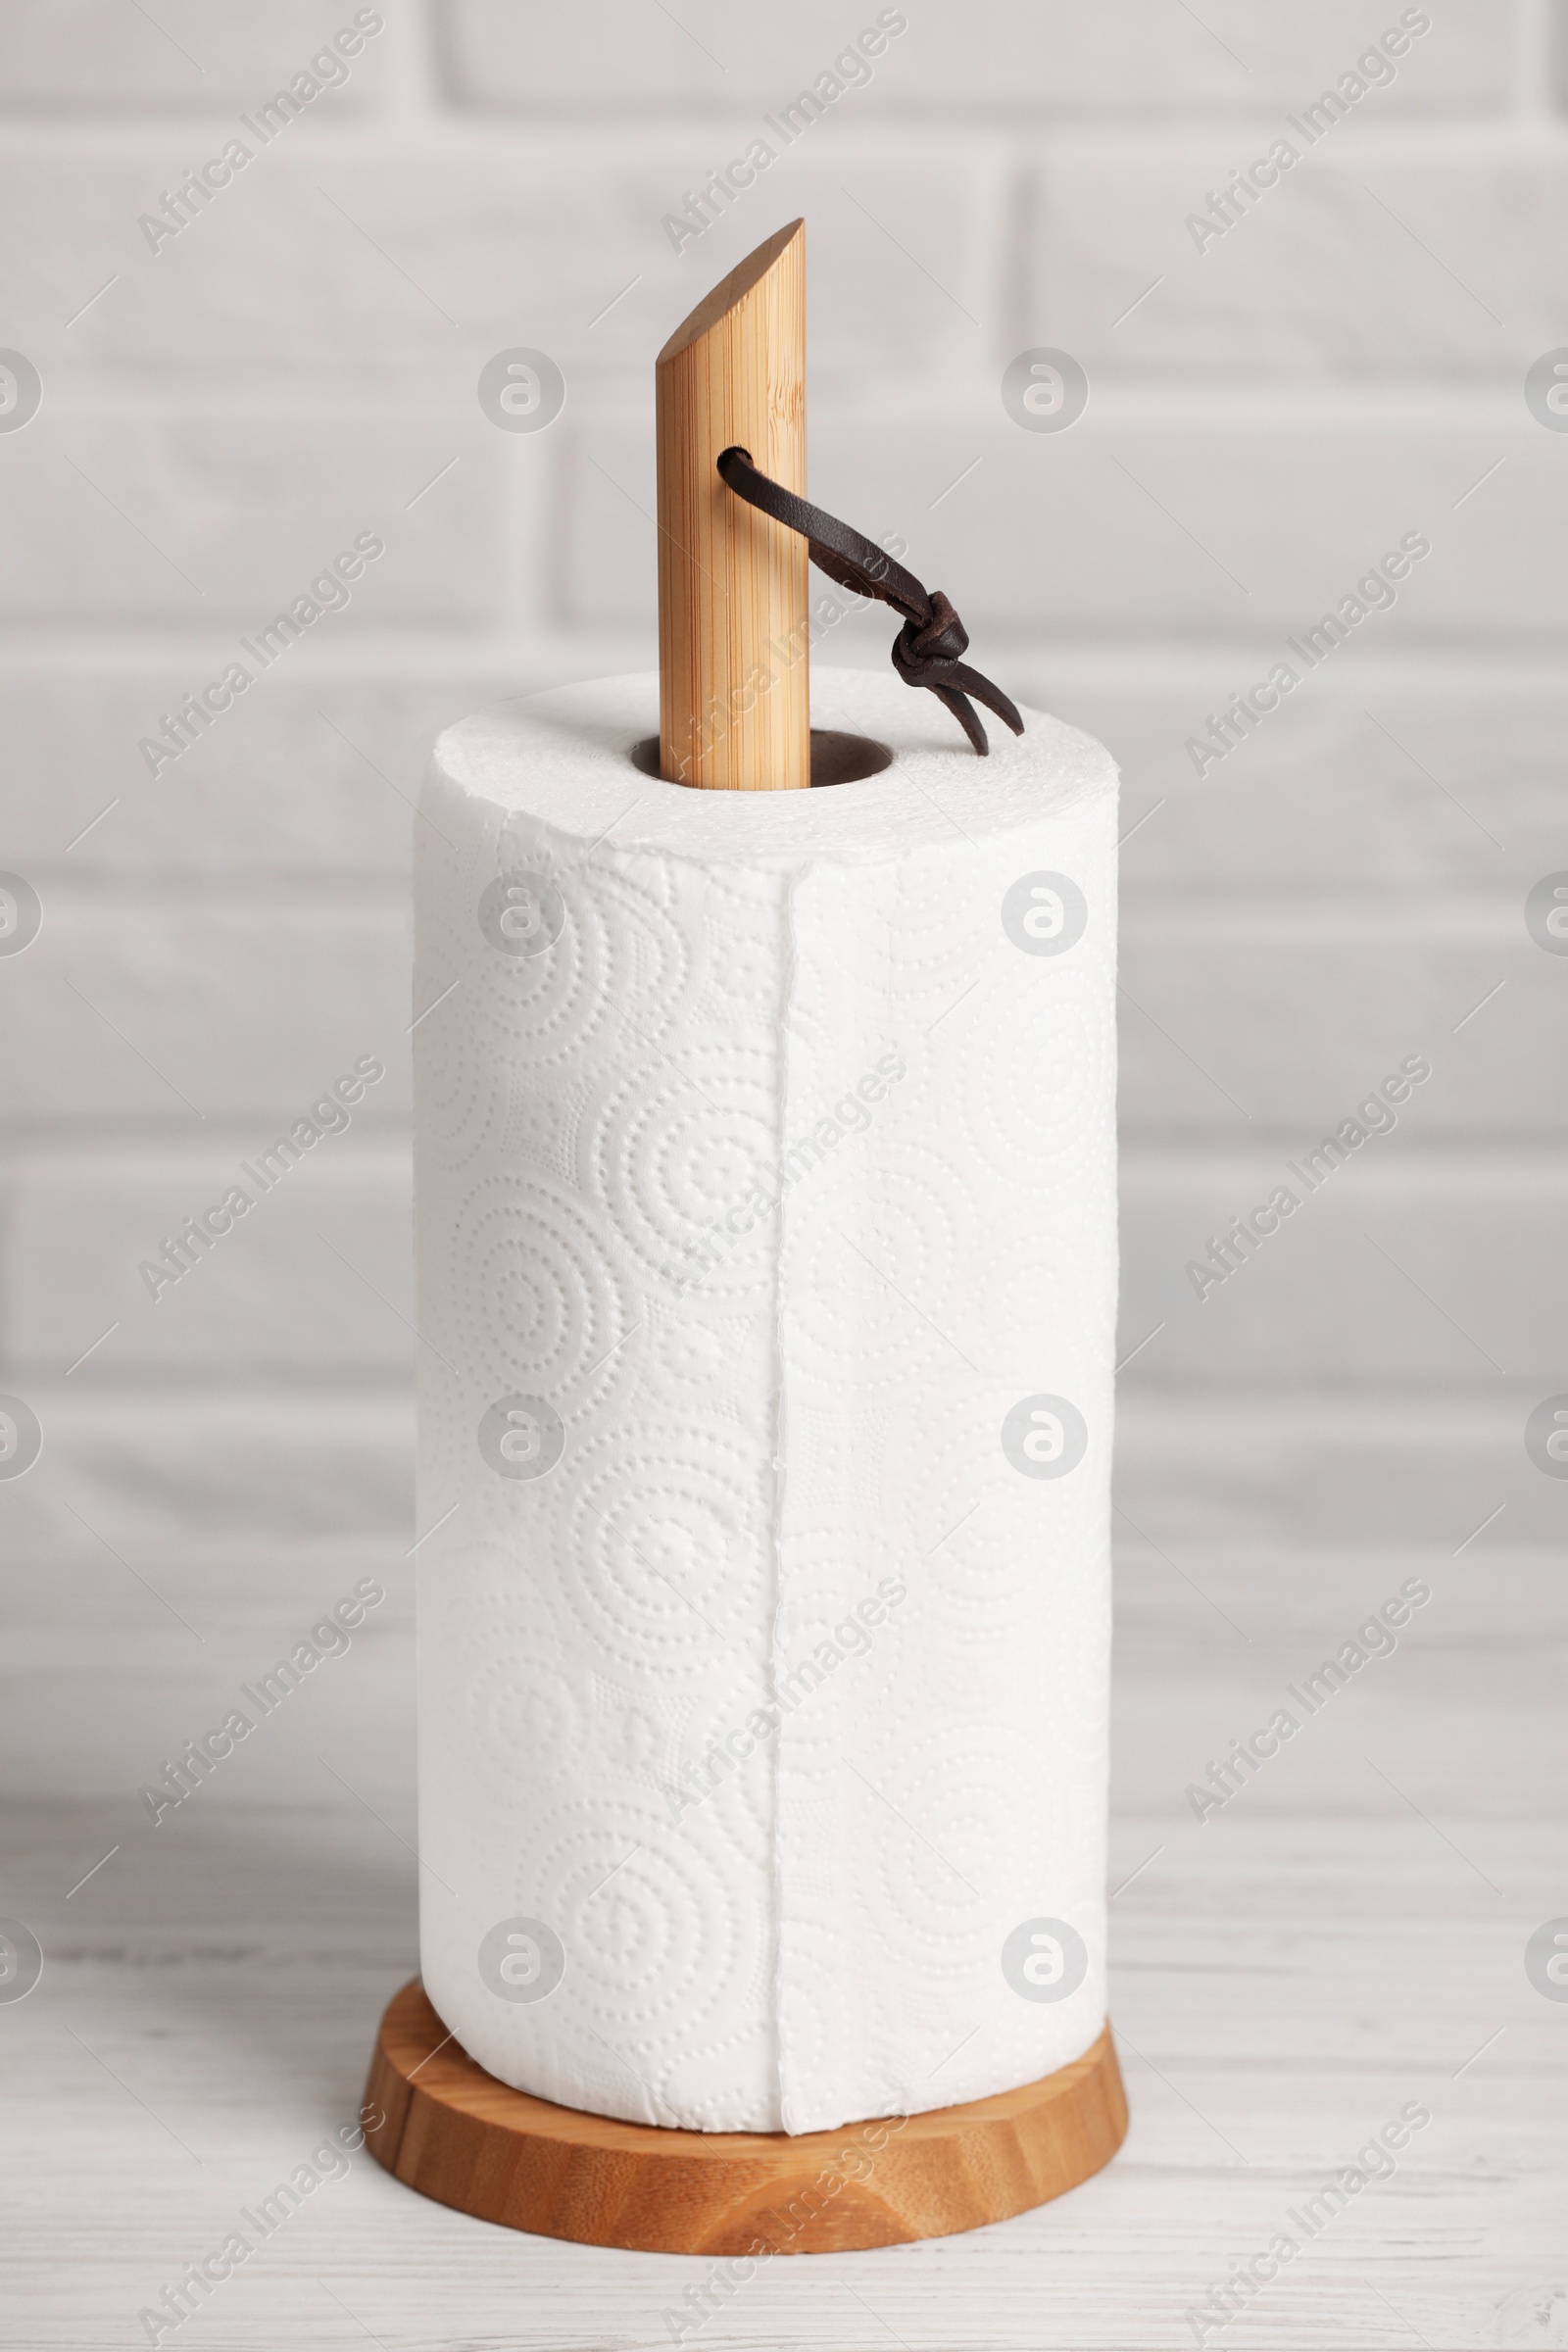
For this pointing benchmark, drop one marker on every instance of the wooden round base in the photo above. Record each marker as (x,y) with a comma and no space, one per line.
(457,2134)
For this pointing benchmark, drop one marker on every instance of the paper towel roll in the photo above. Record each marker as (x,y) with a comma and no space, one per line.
(765,1233)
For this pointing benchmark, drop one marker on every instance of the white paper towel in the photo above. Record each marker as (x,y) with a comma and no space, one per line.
(766,1231)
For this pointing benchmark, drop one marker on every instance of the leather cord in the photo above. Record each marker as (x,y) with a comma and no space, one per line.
(926,650)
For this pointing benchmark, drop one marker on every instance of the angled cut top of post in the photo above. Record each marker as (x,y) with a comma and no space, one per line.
(733,677)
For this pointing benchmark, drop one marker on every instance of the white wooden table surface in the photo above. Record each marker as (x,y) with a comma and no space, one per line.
(1346,1937)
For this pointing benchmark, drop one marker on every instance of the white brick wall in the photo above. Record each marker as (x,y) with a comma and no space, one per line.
(1343,365)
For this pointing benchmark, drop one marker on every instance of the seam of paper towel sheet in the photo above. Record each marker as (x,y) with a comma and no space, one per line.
(782,2051)
(926,650)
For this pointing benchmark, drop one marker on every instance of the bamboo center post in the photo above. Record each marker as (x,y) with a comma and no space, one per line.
(734,702)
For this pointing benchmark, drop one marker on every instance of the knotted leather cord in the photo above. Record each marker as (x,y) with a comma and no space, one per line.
(926,650)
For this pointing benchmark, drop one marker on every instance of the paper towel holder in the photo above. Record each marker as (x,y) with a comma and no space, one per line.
(732,588)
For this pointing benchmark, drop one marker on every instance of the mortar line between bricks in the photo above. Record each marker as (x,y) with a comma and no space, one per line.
(1533,100)
(454,133)
(1153,665)
(1153,1153)
(415,97)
